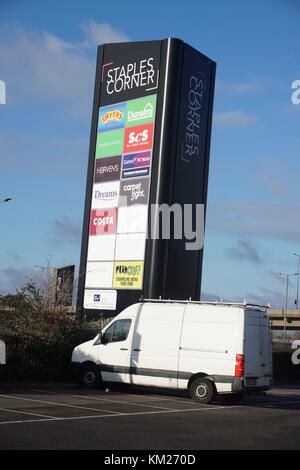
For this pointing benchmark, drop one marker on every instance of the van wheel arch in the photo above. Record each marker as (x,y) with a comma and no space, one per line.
(200,375)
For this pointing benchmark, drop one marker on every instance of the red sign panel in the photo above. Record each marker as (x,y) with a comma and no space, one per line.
(138,138)
(103,221)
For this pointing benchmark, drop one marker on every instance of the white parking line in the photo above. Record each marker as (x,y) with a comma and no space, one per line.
(135,396)
(138,413)
(56,404)
(27,413)
(104,399)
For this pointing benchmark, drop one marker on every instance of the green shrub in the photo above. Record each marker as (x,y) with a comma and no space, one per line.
(39,338)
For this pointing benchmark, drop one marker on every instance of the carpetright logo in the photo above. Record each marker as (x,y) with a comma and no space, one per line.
(141,111)
(134,191)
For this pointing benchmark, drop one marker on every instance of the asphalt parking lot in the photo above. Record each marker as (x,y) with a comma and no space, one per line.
(69,417)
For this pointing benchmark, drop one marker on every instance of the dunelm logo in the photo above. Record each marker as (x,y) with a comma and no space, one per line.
(147,112)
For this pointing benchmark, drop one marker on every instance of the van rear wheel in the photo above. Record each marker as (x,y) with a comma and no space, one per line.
(90,376)
(202,390)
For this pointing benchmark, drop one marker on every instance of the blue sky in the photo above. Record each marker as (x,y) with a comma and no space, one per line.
(47,59)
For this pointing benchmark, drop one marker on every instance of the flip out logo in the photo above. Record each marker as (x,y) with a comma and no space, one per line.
(103,221)
(136,164)
(138,138)
(128,275)
(112,117)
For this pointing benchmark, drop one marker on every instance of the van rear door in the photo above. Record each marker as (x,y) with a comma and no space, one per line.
(258,361)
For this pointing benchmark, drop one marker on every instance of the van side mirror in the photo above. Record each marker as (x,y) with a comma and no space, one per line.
(98,340)
(103,339)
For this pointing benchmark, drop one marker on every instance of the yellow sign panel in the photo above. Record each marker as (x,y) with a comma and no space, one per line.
(128,275)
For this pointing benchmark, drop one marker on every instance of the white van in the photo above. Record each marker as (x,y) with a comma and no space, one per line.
(208,348)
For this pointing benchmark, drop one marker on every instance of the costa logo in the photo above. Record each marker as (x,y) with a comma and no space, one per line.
(107,169)
(138,138)
(103,221)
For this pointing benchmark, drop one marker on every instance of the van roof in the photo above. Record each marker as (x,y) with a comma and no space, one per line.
(243,305)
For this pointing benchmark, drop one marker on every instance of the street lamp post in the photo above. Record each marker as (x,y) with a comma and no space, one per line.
(297,298)
(287,275)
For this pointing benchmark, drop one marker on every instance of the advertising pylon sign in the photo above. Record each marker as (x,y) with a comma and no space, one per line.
(149,147)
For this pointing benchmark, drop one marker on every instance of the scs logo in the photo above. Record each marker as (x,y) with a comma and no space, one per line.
(103,221)
(138,138)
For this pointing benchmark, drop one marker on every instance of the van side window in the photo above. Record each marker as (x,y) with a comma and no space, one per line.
(108,333)
(121,330)
(118,331)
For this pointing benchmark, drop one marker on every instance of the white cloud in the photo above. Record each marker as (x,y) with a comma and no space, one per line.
(101,33)
(271,221)
(40,67)
(43,153)
(234,119)
(238,87)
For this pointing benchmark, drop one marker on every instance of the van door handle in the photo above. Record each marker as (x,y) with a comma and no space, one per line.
(123,349)
(137,349)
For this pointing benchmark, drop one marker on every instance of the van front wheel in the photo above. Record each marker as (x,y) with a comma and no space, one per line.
(202,390)
(90,376)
